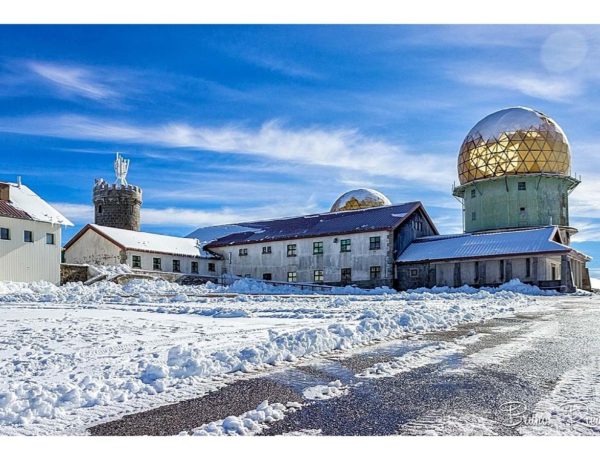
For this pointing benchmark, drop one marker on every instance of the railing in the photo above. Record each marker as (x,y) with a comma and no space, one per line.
(227,280)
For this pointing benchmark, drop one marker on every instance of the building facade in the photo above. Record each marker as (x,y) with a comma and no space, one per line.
(514,168)
(30,236)
(353,246)
(143,252)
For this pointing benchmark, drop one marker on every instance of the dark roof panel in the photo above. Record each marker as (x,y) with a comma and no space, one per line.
(8,210)
(330,223)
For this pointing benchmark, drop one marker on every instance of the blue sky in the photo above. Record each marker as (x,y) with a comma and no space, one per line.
(231,123)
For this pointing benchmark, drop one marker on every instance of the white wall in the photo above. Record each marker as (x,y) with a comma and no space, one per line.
(360,259)
(27,262)
(92,248)
(167,263)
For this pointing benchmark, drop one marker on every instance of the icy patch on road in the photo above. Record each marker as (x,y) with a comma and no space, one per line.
(425,356)
(517,346)
(333,389)
(304,432)
(571,409)
(249,423)
(438,424)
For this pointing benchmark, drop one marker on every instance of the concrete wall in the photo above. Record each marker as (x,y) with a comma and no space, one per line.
(278,264)
(497,202)
(92,248)
(27,262)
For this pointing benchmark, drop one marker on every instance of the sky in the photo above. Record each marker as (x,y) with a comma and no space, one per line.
(225,124)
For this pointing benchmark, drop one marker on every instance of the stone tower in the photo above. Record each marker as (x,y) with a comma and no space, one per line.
(118,205)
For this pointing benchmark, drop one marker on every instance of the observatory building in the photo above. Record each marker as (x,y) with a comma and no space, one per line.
(514,168)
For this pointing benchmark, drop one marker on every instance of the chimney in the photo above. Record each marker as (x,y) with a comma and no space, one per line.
(4,191)
(19,181)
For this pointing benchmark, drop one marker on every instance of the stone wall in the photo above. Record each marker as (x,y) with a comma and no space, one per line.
(117,206)
(72,273)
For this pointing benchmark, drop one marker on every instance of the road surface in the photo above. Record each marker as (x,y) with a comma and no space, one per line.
(535,373)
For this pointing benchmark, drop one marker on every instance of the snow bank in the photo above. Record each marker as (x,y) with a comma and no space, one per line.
(514,285)
(249,423)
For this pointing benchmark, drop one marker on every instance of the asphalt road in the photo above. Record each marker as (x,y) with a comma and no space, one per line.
(493,381)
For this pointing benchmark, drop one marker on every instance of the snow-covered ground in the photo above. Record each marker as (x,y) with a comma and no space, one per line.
(76,355)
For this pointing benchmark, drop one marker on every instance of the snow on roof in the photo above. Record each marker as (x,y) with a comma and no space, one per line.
(22,198)
(468,245)
(153,242)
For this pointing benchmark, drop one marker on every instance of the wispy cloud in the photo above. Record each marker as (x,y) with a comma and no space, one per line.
(336,148)
(74,80)
(551,88)
(285,67)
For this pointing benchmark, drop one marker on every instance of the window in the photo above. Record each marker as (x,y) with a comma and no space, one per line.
(291,250)
(414,272)
(4,234)
(156,263)
(374,243)
(266,250)
(267,276)
(243,252)
(99,209)
(136,261)
(292,277)
(522,186)
(473,193)
(502,270)
(553,272)
(28,236)
(318,276)
(346,275)
(375,272)
(476,277)
(212,267)
(473,215)
(194,267)
(176,265)
(318,247)
(49,238)
(528,267)
(345,245)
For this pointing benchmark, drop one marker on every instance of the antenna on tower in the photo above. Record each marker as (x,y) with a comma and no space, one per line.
(121,168)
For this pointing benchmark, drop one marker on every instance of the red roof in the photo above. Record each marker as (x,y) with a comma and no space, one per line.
(8,210)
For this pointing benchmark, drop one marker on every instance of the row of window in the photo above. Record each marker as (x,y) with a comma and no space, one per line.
(27,236)
(292,249)
(136,262)
(521,186)
(318,275)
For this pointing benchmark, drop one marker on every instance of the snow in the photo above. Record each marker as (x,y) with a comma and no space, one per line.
(483,244)
(23,198)
(153,242)
(248,424)
(76,355)
(333,389)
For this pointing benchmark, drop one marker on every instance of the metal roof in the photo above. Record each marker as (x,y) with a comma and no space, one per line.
(478,245)
(330,223)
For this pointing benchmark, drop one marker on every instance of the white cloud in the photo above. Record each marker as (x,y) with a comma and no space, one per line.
(73,80)
(552,88)
(345,149)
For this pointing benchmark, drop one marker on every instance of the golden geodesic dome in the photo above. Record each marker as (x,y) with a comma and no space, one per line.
(512,141)
(360,198)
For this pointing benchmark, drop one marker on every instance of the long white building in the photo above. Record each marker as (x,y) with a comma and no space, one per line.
(30,236)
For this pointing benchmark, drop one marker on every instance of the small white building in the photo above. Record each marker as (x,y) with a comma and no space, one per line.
(142,251)
(30,236)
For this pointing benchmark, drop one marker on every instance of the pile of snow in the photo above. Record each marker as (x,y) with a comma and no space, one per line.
(109,270)
(249,423)
(333,389)
(514,285)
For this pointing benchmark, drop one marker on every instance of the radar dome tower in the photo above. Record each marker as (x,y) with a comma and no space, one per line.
(118,205)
